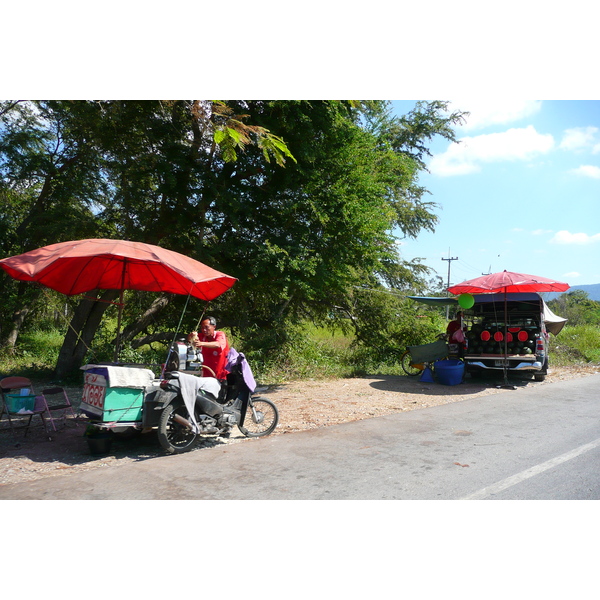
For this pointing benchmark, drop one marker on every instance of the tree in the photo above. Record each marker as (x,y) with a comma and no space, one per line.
(50,186)
(309,235)
(577,307)
(206,179)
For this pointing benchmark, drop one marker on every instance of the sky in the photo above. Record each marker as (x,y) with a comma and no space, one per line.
(519,191)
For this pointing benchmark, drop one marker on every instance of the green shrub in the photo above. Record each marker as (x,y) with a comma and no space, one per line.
(307,352)
(304,353)
(575,345)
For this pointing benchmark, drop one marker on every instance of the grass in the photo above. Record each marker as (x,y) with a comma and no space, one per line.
(579,344)
(36,354)
(317,353)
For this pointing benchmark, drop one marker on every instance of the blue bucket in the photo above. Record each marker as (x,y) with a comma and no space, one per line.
(449,372)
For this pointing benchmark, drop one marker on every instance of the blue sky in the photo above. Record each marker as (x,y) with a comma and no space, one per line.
(521,192)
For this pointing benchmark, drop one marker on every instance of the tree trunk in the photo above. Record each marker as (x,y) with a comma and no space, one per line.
(164,337)
(27,297)
(81,332)
(138,326)
(18,320)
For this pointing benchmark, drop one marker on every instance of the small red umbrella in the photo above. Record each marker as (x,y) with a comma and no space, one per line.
(507,282)
(84,265)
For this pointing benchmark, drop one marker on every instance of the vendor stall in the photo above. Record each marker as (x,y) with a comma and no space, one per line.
(115,395)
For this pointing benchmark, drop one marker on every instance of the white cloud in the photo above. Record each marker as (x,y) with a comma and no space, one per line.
(579,138)
(572,274)
(515,144)
(587,171)
(580,239)
(495,112)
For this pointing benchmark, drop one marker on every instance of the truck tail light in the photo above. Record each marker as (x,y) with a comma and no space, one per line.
(539,346)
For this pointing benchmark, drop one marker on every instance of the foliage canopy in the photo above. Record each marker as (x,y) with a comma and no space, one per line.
(302,201)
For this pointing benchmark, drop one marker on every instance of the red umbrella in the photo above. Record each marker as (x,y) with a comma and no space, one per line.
(508,282)
(84,265)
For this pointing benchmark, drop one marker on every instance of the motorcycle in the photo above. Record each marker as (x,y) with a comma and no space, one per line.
(186,407)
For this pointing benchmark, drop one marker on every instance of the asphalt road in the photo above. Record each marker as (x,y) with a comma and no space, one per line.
(538,442)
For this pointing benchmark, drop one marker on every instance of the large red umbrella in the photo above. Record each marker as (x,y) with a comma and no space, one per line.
(508,282)
(84,265)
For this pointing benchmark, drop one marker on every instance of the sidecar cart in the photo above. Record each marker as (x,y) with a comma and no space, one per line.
(113,397)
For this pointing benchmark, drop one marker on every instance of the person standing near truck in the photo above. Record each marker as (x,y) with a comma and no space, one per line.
(455,330)
(456,336)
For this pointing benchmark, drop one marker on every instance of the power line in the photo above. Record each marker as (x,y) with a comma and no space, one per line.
(449,259)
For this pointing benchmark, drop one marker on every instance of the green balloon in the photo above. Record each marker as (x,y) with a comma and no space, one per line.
(466,300)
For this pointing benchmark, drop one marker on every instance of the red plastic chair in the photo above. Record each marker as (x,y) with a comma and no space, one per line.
(54,399)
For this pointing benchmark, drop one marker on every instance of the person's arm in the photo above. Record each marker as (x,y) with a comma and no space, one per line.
(200,344)
(220,342)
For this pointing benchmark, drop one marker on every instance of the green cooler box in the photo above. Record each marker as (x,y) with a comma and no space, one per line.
(115,394)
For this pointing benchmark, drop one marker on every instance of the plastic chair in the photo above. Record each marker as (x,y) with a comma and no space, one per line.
(54,399)
(16,384)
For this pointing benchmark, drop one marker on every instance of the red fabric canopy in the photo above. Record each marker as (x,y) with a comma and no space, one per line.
(84,265)
(508,282)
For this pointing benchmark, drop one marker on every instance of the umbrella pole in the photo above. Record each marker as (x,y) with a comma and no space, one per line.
(118,344)
(164,368)
(505,340)
(505,360)
(201,317)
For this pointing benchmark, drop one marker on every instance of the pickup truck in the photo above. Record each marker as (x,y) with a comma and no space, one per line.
(504,332)
(509,331)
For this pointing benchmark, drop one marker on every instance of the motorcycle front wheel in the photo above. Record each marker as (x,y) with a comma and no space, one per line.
(261,418)
(174,437)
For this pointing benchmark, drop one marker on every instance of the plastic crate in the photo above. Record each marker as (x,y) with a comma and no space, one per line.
(15,402)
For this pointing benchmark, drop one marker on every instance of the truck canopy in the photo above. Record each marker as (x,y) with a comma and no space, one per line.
(554,323)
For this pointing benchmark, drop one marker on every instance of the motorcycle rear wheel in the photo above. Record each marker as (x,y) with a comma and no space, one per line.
(173,437)
(261,418)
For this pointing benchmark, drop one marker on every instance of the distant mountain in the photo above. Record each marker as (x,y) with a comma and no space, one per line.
(593,292)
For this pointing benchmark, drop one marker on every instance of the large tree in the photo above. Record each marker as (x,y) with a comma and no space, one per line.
(304,238)
(206,178)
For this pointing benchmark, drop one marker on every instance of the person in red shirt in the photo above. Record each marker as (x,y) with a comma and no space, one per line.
(213,345)
(456,337)
(453,329)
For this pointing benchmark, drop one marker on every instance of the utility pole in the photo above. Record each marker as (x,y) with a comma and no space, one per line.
(449,259)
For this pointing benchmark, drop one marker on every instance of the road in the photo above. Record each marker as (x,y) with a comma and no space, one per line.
(541,442)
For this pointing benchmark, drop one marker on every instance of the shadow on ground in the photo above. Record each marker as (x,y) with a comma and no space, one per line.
(413,385)
(69,447)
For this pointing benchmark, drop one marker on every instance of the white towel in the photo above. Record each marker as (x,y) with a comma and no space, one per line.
(125,377)
(190,384)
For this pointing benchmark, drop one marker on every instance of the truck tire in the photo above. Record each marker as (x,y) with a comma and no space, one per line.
(541,375)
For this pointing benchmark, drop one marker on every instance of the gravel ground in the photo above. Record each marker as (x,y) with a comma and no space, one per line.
(302,405)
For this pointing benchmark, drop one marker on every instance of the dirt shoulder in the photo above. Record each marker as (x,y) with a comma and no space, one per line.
(302,405)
